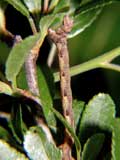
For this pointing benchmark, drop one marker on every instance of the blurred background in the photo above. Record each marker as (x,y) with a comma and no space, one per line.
(102,36)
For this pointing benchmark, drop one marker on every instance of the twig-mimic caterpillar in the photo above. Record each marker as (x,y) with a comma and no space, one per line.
(59,37)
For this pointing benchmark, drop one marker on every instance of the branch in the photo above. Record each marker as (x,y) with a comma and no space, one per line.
(32,25)
(45,7)
(111,66)
(51,55)
(102,61)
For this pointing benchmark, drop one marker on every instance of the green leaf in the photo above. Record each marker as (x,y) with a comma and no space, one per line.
(21,80)
(116,139)
(9,153)
(5,88)
(46,99)
(78,107)
(62,6)
(46,22)
(58,20)
(73,5)
(86,15)
(34,6)
(17,4)
(93,146)
(70,129)
(53,3)
(82,21)
(16,123)
(4,134)
(18,55)
(85,2)
(3,4)
(49,79)
(38,146)
(97,115)
(51,21)
(95,4)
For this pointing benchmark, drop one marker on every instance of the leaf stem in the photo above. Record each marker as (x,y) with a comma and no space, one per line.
(111,66)
(45,7)
(32,25)
(102,61)
(51,55)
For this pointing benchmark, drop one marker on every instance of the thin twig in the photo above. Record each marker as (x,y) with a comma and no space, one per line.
(30,68)
(111,66)
(59,37)
(51,55)
(45,7)
(32,25)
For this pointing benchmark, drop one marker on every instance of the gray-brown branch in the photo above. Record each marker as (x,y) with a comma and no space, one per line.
(59,37)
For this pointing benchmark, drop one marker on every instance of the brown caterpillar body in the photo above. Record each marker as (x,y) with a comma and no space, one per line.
(59,37)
